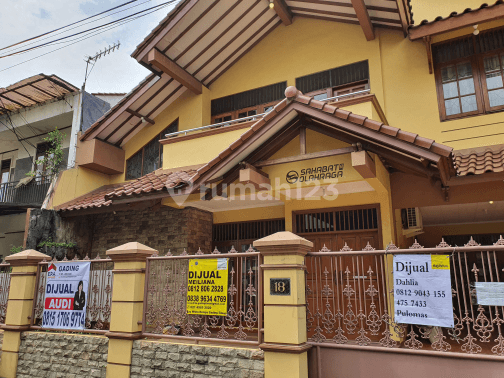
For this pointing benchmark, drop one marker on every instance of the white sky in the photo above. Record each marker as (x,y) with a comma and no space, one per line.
(116,72)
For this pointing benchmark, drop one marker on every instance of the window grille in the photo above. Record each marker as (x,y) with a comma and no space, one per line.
(335,77)
(150,157)
(247,230)
(337,221)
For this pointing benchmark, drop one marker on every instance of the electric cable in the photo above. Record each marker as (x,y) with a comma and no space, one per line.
(82,39)
(88,30)
(76,27)
(63,27)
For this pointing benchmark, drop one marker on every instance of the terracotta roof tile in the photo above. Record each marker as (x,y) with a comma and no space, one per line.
(152,182)
(372,124)
(357,119)
(343,114)
(479,160)
(407,136)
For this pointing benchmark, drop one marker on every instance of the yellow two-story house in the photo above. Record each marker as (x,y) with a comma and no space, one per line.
(346,122)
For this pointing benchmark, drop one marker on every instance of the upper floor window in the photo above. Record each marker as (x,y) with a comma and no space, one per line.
(150,157)
(469,75)
(247,104)
(339,81)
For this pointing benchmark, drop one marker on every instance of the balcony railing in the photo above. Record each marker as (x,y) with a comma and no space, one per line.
(32,193)
(257,116)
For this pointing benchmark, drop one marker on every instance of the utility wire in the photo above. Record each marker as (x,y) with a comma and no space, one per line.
(88,30)
(76,27)
(74,23)
(82,39)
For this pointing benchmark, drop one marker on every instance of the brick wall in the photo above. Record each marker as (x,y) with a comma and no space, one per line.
(163,359)
(162,229)
(44,354)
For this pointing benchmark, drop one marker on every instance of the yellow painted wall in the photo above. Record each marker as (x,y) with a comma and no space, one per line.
(399,78)
(273,212)
(76,182)
(430,9)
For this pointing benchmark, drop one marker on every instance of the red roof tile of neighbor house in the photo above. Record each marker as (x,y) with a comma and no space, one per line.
(479,160)
(154,181)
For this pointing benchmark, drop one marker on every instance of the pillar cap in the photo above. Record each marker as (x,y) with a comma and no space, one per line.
(284,238)
(132,251)
(28,257)
(283,243)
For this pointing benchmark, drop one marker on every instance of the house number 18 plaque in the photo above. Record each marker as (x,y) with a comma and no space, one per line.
(280,286)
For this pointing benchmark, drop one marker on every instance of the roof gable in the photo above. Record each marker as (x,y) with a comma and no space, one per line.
(402,148)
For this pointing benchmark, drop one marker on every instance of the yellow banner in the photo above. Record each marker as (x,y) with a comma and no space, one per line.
(207,287)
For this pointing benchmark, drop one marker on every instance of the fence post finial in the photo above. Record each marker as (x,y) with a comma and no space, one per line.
(285,337)
(24,269)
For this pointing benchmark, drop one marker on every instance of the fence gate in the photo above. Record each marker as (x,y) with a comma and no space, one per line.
(351,326)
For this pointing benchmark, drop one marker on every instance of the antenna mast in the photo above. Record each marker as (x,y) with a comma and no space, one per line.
(97,56)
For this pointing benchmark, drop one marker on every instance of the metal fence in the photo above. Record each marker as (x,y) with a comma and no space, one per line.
(5,277)
(165,312)
(350,301)
(31,193)
(99,300)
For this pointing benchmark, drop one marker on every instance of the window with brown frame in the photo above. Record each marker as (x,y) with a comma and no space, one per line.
(245,112)
(150,157)
(345,90)
(469,75)
(247,104)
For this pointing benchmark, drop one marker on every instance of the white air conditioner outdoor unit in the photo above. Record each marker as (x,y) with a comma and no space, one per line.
(412,224)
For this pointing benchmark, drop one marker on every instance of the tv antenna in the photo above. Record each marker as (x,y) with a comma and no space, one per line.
(93,59)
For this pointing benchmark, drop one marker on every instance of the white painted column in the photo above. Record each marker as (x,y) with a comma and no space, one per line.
(76,125)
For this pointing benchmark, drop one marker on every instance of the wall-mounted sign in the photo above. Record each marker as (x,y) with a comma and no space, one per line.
(280,286)
(422,290)
(490,293)
(207,287)
(322,172)
(66,295)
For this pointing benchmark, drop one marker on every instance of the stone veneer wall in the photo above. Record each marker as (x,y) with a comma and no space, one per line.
(163,228)
(159,227)
(163,359)
(44,354)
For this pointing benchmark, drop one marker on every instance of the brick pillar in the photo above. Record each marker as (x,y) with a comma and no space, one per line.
(285,347)
(19,306)
(127,305)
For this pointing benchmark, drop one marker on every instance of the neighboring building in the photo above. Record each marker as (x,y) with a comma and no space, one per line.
(284,96)
(29,110)
(111,98)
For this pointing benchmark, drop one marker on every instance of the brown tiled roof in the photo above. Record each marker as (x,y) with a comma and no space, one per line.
(297,96)
(479,160)
(152,182)
(95,198)
(455,14)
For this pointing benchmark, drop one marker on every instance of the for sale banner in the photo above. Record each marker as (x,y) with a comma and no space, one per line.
(66,295)
(207,287)
(422,290)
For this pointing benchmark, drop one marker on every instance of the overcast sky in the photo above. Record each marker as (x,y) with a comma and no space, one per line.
(116,72)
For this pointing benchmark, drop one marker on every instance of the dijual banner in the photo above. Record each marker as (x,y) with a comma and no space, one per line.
(66,295)
(207,287)
(422,290)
